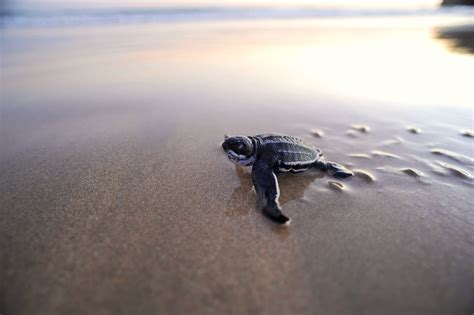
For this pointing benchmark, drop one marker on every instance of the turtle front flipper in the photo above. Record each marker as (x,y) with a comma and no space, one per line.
(266,186)
(337,170)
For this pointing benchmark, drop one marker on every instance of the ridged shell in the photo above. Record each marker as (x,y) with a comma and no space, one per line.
(293,153)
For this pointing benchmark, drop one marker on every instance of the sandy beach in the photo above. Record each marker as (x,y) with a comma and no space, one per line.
(116,197)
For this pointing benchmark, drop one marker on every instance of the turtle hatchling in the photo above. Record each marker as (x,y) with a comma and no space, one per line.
(270,154)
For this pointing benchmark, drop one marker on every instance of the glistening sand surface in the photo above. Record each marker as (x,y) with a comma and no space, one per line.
(116,198)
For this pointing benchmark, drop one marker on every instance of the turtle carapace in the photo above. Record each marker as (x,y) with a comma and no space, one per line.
(270,154)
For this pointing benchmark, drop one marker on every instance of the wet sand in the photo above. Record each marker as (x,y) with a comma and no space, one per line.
(117,198)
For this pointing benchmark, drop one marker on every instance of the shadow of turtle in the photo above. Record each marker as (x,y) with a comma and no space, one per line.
(292,187)
(243,197)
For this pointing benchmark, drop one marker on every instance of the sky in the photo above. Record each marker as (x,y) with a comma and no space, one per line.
(156,3)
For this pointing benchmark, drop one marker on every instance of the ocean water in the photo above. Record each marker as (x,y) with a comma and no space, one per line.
(116,196)
(51,16)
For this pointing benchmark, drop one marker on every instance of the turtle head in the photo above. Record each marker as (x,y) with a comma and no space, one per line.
(239,149)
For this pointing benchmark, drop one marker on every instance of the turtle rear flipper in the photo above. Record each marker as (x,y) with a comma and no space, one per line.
(337,170)
(266,186)
(275,214)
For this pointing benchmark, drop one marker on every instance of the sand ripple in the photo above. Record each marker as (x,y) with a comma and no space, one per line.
(468,133)
(364,175)
(397,140)
(361,128)
(454,156)
(351,133)
(336,185)
(317,133)
(412,172)
(384,154)
(360,155)
(457,171)
(431,165)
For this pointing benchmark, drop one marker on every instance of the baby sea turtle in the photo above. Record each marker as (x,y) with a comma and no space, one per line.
(270,154)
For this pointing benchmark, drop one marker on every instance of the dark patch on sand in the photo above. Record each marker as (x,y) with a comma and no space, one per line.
(414,130)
